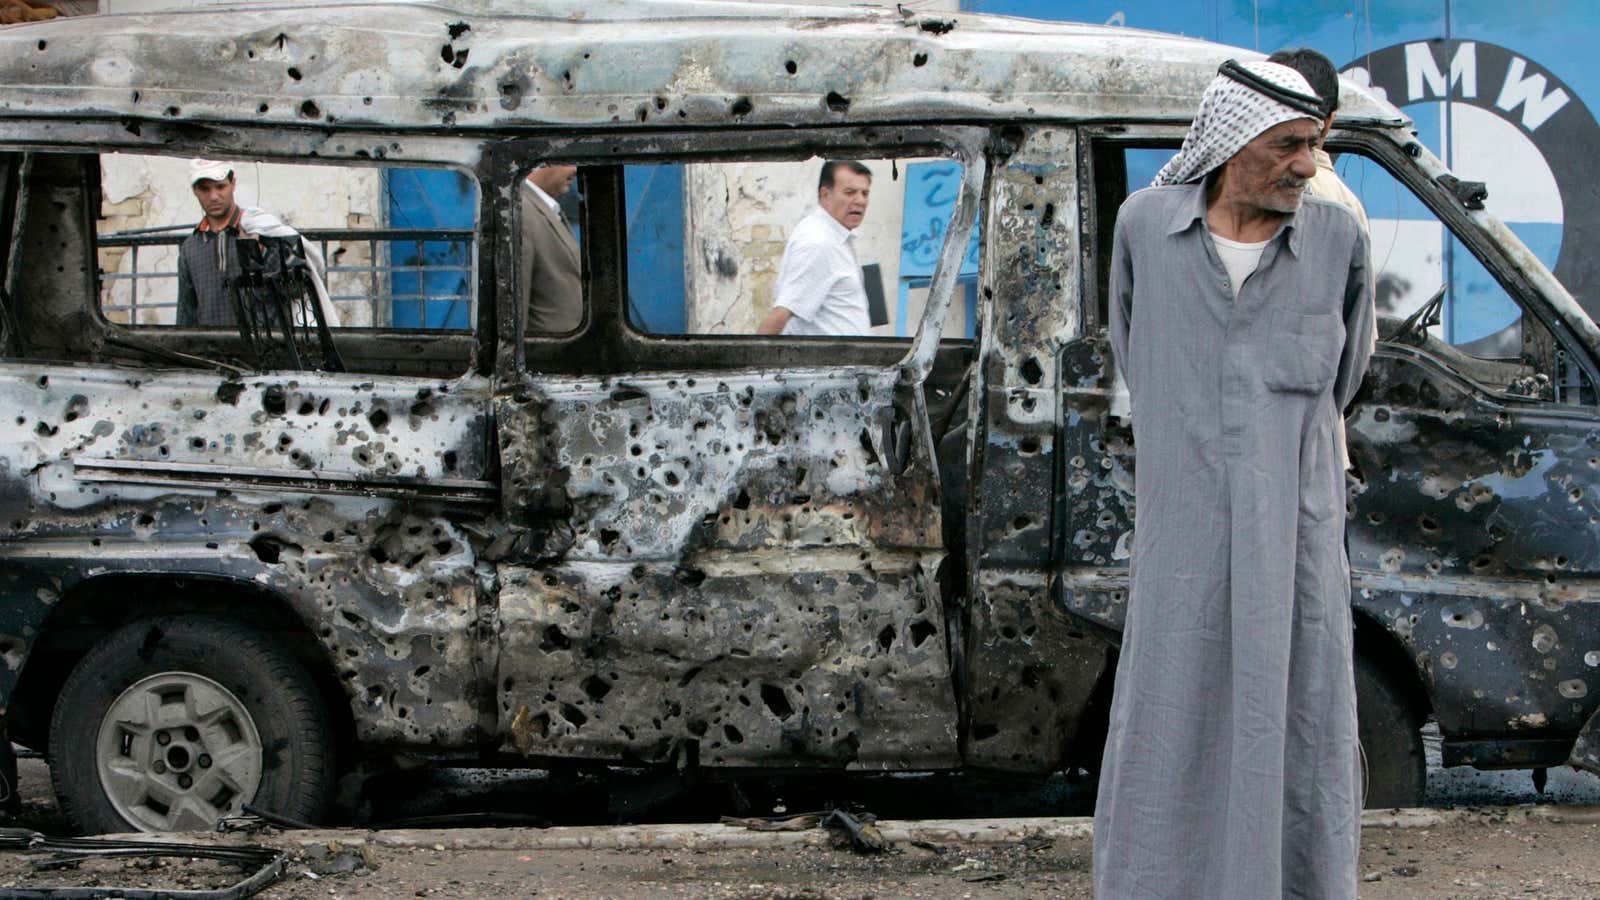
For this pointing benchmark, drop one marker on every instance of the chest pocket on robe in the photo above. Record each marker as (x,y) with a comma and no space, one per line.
(1308,356)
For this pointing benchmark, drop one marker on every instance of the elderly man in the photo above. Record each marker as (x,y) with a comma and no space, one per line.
(1240,309)
(203,257)
(820,289)
(552,268)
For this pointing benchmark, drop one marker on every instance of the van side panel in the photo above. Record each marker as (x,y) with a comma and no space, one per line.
(328,491)
(733,571)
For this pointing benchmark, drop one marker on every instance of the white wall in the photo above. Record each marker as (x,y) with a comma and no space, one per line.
(150,191)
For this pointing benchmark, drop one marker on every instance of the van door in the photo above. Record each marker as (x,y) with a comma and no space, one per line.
(728,543)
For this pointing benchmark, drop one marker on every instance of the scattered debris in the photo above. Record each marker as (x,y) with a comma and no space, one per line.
(264,864)
(864,835)
(804,822)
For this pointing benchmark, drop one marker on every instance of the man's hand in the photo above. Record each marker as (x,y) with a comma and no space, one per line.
(775,320)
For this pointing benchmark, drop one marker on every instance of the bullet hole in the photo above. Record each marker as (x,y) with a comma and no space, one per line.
(776,701)
(310,110)
(921,630)
(596,687)
(982,731)
(742,501)
(886,637)
(1427,524)
(274,400)
(1376,517)
(741,106)
(1049,217)
(378,419)
(574,715)
(733,734)
(697,727)
(44,429)
(77,406)
(42,381)
(609,538)
(937,26)
(457,29)
(42,45)
(919,60)
(837,102)
(284,440)
(269,549)
(689,577)
(1575,494)
(228,392)
(554,639)
(173,111)
(626,394)
(449,460)
(1032,372)
(294,73)
(197,443)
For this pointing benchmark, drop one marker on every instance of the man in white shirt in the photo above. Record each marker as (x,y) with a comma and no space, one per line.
(820,291)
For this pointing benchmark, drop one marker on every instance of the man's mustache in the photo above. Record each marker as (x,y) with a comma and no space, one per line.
(1289,181)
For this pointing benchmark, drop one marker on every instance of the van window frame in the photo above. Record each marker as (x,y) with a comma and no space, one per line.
(608,343)
(453,352)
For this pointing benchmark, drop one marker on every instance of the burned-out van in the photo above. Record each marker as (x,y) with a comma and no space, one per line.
(237,563)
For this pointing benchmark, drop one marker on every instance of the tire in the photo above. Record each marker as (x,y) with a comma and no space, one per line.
(1393,762)
(169,724)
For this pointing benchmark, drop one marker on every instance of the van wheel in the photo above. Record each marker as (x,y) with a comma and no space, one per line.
(170,724)
(1393,763)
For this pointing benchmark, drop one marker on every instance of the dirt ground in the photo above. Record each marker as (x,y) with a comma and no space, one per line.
(1482,858)
(1493,852)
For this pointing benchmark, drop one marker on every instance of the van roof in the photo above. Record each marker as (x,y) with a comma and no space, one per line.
(496,64)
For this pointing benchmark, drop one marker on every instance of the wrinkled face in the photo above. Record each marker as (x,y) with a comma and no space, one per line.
(216,197)
(1271,171)
(846,201)
(553,180)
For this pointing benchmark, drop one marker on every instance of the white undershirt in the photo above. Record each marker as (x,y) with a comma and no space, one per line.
(1238,258)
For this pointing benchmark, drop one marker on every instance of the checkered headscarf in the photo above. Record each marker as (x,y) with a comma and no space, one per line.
(1231,115)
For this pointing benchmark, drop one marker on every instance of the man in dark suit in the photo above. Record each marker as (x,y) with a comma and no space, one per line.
(551,276)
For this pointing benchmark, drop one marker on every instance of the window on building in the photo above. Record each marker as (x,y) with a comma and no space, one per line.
(713,248)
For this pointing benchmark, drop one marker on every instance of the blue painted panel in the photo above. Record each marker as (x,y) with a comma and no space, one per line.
(430,198)
(655,247)
(932,189)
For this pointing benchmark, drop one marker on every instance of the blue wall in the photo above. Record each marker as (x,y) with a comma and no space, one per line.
(430,198)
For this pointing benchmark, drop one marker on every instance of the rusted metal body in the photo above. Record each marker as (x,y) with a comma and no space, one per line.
(735,554)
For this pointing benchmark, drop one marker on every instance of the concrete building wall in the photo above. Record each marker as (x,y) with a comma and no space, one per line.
(738,217)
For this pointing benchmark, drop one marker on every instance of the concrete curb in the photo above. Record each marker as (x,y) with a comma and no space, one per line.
(971,832)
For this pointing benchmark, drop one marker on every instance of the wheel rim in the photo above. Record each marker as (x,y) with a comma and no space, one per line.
(177,752)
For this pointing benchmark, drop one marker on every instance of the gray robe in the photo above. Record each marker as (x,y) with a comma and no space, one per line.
(1231,768)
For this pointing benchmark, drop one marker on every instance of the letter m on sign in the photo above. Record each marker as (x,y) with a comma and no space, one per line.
(1537,106)
(1422,72)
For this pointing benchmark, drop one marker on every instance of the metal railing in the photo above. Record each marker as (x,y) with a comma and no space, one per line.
(381,243)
